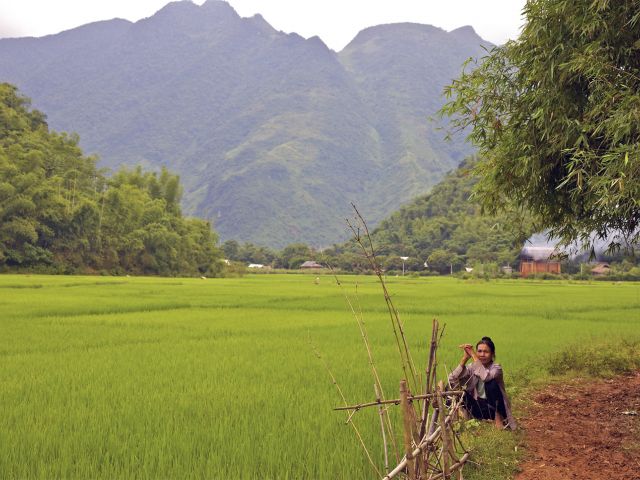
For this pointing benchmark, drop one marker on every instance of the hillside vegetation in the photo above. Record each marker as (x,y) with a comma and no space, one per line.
(59,213)
(273,135)
(445,228)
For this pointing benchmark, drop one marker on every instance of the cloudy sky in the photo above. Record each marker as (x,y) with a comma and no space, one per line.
(335,21)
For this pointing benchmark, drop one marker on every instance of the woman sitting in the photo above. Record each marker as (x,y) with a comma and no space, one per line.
(485,397)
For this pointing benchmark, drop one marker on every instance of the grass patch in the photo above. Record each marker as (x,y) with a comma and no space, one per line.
(494,453)
(148,377)
(597,359)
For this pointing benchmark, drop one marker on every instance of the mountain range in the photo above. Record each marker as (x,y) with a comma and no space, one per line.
(273,135)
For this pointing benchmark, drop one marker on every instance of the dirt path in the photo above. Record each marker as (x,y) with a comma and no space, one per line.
(584,431)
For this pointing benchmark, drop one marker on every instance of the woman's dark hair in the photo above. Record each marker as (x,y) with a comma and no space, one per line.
(489,343)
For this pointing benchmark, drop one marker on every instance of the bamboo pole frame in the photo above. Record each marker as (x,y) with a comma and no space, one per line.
(432,447)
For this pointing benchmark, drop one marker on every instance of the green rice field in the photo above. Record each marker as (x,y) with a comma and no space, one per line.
(104,377)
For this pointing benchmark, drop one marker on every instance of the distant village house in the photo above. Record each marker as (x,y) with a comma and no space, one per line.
(538,260)
(600,269)
(311,264)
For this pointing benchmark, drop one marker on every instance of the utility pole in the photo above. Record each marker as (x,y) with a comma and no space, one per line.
(403,260)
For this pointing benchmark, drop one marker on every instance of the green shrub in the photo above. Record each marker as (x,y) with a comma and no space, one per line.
(597,359)
(234,270)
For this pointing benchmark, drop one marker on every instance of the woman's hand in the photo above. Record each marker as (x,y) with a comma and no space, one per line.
(469,352)
(467,348)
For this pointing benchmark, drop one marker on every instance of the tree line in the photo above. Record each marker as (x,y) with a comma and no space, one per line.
(438,232)
(441,232)
(59,213)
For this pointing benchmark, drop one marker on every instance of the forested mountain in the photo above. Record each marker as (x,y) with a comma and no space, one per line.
(272,135)
(58,213)
(444,228)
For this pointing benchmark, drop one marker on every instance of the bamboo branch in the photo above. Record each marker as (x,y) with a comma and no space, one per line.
(381,411)
(374,370)
(350,416)
(396,401)
(460,463)
(432,427)
(370,255)
(363,331)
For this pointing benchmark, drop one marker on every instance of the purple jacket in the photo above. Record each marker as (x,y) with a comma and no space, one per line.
(467,377)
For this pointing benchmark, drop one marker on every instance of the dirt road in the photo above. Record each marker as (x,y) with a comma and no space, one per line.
(584,431)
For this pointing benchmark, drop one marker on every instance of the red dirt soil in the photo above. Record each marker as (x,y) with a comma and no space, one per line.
(585,431)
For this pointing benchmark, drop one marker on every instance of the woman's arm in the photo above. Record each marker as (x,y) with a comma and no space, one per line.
(460,374)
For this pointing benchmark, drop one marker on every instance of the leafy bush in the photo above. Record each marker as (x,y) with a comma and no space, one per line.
(619,277)
(597,359)
(235,269)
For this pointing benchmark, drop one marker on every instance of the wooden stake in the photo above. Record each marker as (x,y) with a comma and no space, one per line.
(429,376)
(408,428)
(445,435)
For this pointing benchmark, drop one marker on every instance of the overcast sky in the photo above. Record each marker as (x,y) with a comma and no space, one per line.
(335,21)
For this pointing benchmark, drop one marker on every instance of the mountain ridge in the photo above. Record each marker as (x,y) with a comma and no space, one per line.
(273,134)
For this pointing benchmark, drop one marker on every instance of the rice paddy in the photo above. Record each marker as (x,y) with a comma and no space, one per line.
(173,378)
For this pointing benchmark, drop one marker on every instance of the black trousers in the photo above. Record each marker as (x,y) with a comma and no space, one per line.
(485,409)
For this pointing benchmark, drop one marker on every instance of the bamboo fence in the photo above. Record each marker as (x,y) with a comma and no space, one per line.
(431,446)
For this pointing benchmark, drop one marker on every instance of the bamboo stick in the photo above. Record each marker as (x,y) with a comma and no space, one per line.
(384,437)
(350,416)
(433,423)
(414,434)
(430,366)
(396,401)
(370,255)
(408,428)
(456,467)
(459,464)
(434,420)
(403,464)
(444,436)
(427,442)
